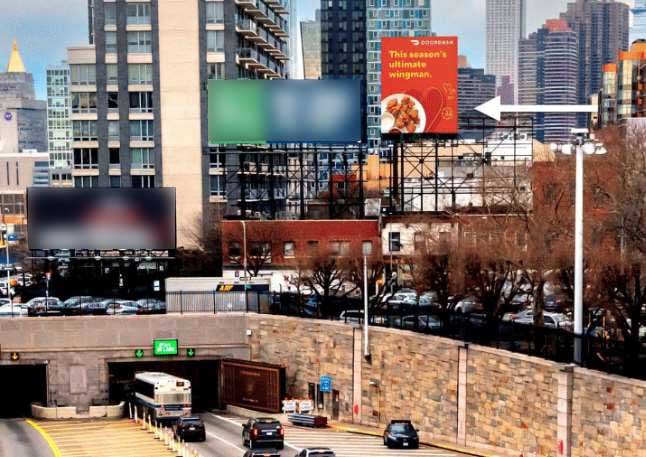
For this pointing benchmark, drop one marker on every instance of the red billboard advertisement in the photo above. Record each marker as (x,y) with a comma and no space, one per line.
(419,85)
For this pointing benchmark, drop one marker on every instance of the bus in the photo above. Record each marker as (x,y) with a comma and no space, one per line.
(161,396)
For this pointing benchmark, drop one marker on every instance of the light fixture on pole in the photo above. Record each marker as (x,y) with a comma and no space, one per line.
(366,248)
(582,145)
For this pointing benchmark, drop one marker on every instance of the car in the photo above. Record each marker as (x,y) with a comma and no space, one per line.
(190,428)
(550,320)
(556,303)
(262,453)
(121,307)
(401,434)
(73,306)
(151,306)
(263,431)
(44,306)
(97,306)
(467,305)
(417,322)
(9,309)
(316,452)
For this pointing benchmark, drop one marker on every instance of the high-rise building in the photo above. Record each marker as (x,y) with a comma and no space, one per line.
(506,21)
(139,110)
(23,122)
(343,44)
(623,95)
(474,88)
(388,18)
(293,42)
(602,28)
(311,46)
(59,125)
(548,66)
(638,29)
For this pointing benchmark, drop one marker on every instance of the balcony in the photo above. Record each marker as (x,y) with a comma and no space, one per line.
(247,28)
(248,56)
(248,5)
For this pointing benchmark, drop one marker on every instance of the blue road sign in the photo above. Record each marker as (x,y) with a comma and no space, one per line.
(325,383)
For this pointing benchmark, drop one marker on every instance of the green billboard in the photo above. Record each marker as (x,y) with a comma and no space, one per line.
(163,347)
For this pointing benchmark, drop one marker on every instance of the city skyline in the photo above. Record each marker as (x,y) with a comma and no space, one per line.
(43,39)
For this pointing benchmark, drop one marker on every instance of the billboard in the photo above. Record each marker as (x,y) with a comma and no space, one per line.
(253,385)
(101,218)
(284,111)
(419,86)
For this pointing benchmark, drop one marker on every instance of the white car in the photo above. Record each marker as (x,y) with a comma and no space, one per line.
(17,309)
(467,306)
(550,320)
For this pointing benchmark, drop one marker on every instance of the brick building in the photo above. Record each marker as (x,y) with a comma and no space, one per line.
(275,248)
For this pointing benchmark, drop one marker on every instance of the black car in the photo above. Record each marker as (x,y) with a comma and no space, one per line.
(262,453)
(263,431)
(74,306)
(190,429)
(316,452)
(401,434)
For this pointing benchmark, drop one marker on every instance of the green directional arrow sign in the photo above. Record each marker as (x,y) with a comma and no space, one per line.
(190,352)
(139,353)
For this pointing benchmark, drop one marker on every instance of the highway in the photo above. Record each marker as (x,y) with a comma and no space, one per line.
(224,440)
(19,439)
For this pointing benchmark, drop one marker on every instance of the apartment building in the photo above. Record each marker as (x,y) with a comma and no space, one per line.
(139,90)
(59,125)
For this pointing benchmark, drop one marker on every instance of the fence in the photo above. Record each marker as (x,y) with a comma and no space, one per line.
(217,302)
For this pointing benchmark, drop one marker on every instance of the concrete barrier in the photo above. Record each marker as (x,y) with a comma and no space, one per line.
(70,412)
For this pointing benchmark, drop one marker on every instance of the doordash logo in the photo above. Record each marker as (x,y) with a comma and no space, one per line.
(415,42)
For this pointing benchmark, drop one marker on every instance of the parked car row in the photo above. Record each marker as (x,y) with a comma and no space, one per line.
(83,306)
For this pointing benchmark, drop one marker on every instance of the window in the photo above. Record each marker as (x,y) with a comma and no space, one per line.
(84,130)
(141,102)
(110,13)
(339,248)
(113,130)
(84,102)
(141,130)
(217,160)
(234,250)
(140,73)
(312,247)
(215,70)
(288,249)
(260,249)
(110,42)
(419,240)
(394,241)
(215,41)
(214,12)
(113,101)
(82,74)
(112,73)
(216,185)
(139,42)
(86,181)
(138,13)
(114,156)
(143,181)
(143,158)
(86,159)
(115,181)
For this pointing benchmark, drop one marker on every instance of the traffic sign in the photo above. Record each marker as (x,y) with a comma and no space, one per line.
(15,356)
(325,383)
(164,347)
(190,352)
(139,353)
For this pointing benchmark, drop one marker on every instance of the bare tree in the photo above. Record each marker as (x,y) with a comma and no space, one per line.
(255,251)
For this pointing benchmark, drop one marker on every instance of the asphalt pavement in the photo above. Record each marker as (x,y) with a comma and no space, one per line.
(19,439)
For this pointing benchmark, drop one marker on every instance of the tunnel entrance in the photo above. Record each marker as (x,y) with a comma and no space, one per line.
(203,374)
(22,385)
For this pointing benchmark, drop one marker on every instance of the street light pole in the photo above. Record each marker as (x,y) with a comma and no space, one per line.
(366,249)
(244,248)
(578,256)
(5,235)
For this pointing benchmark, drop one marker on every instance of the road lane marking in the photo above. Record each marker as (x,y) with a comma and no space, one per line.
(48,439)
(238,424)
(228,443)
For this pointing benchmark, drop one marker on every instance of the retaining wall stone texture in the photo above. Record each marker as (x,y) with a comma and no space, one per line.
(609,416)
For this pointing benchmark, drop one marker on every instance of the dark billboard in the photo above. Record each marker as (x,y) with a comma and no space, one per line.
(282,111)
(252,385)
(101,218)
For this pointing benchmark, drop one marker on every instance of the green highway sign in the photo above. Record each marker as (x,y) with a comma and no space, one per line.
(163,347)
(190,352)
(139,353)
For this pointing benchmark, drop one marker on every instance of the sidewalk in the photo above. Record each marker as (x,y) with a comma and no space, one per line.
(373,431)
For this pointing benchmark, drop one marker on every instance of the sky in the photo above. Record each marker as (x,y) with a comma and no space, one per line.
(45,28)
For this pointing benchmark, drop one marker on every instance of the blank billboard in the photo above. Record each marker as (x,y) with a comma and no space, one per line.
(101,219)
(282,111)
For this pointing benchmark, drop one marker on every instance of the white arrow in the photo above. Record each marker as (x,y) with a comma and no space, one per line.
(493,108)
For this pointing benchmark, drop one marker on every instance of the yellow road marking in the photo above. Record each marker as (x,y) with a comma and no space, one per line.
(48,439)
